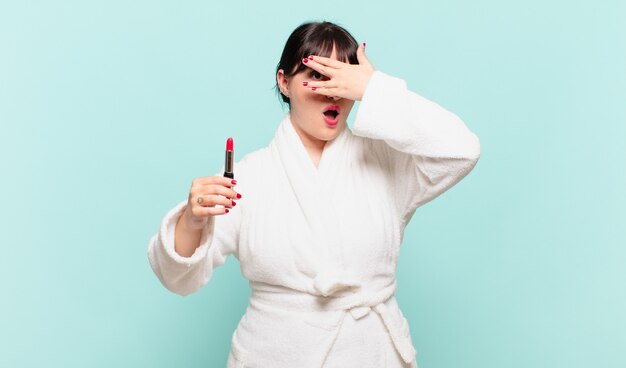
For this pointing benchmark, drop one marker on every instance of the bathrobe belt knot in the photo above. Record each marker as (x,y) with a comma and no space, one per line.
(343,295)
(332,283)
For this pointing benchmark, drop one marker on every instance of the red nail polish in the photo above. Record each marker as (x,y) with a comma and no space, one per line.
(305,60)
(313,88)
(238,195)
(234,182)
(305,83)
(311,57)
(363,44)
(233,202)
(226,210)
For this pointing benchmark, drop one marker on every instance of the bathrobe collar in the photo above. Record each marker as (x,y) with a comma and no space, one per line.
(312,188)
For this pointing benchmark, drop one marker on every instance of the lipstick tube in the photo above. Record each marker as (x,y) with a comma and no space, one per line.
(229,159)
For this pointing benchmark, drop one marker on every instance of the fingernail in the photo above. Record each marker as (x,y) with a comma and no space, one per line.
(234,182)
(238,195)
(226,210)
(363,44)
(233,202)
(305,60)
(311,57)
(313,88)
(305,83)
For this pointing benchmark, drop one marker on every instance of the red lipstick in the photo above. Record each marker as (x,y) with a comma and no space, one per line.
(230,156)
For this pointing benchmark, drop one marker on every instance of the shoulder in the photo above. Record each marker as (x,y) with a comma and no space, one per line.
(255,173)
(255,166)
(369,149)
(252,160)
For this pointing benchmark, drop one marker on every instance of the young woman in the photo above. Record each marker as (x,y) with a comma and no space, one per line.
(321,211)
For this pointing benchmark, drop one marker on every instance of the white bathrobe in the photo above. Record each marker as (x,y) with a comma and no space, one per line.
(320,245)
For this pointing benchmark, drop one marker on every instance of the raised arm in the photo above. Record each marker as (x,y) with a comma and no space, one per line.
(427,148)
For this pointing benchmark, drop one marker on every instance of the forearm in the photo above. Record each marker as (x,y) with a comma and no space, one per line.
(186,239)
(412,124)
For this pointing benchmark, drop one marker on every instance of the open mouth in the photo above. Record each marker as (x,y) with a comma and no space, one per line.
(331,114)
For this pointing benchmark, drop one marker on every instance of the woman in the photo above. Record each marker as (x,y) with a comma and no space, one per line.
(323,211)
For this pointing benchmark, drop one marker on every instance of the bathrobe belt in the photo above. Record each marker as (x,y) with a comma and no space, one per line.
(358,303)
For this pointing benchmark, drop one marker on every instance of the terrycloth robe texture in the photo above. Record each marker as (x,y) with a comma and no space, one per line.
(320,244)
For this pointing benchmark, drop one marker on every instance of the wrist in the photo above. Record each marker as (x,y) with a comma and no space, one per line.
(191,223)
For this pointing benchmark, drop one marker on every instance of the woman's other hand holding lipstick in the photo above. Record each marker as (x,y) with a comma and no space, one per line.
(209,196)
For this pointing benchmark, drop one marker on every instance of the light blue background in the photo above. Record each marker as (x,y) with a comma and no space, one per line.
(109,109)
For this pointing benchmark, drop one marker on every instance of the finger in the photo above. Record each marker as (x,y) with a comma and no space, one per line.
(221,180)
(218,189)
(360,55)
(332,63)
(324,70)
(209,211)
(325,91)
(219,211)
(320,84)
(211,200)
(224,188)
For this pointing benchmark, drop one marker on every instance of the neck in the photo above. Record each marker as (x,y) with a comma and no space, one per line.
(313,146)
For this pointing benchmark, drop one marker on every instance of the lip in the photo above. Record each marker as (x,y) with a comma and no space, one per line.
(332,107)
(329,121)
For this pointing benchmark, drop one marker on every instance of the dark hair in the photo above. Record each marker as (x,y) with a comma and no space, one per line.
(315,38)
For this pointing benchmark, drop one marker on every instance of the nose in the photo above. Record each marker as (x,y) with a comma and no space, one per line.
(335,98)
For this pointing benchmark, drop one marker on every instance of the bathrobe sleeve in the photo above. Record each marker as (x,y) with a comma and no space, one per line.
(426,148)
(185,275)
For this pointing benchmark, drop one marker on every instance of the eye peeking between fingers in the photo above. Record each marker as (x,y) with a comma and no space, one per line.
(315,75)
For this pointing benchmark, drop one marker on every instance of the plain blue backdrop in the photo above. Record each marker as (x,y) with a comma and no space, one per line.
(109,109)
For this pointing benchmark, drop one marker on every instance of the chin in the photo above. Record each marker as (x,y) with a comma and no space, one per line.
(329,134)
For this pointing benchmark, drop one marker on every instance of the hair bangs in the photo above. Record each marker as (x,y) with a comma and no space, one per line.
(320,40)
